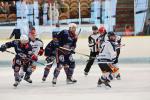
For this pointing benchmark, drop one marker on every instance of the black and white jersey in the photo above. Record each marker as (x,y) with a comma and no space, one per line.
(93,40)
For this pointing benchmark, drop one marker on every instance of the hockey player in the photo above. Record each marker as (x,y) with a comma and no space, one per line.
(67,40)
(37,45)
(23,57)
(50,53)
(118,46)
(106,59)
(37,49)
(94,44)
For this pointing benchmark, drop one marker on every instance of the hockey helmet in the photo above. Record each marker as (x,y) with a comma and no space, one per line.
(71,25)
(111,36)
(33,32)
(24,39)
(102,29)
(94,27)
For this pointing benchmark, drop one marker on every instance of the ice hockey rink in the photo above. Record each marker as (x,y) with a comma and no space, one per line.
(134,84)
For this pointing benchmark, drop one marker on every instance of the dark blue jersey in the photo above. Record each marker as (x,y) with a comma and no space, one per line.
(50,49)
(21,50)
(66,37)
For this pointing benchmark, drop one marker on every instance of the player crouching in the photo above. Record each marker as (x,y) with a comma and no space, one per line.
(23,58)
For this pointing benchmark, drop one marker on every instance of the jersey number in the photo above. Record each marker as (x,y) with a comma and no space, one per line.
(102,48)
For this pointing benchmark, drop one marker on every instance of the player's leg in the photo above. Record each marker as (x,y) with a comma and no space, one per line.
(115,72)
(104,79)
(60,62)
(21,72)
(66,67)
(89,63)
(71,63)
(16,67)
(48,67)
(28,71)
(56,74)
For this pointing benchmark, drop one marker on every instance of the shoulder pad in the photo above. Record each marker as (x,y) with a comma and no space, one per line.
(65,31)
(16,41)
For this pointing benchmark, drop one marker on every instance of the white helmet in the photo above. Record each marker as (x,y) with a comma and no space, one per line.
(24,39)
(72,25)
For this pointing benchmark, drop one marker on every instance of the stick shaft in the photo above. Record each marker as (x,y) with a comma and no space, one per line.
(28,58)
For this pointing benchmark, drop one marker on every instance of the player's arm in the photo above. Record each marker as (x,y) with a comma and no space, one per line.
(41,51)
(118,47)
(31,54)
(7,45)
(12,34)
(91,43)
(111,51)
(47,50)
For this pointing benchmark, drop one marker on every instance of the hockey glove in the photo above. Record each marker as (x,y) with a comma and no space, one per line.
(34,58)
(72,51)
(41,51)
(3,48)
(116,60)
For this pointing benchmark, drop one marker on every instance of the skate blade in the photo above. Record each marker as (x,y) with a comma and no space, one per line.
(118,78)
(107,86)
(15,86)
(71,82)
(85,75)
(99,85)
(43,81)
(28,82)
(53,85)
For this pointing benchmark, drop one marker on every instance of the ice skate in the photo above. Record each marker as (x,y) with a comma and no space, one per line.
(16,83)
(85,73)
(71,81)
(27,79)
(44,79)
(54,82)
(118,77)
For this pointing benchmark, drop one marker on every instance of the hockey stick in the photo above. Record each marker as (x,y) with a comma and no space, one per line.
(29,58)
(79,32)
(121,45)
(74,51)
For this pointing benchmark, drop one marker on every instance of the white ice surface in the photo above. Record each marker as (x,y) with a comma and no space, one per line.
(135,85)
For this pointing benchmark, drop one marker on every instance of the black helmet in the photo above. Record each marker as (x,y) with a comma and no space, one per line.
(94,27)
(111,34)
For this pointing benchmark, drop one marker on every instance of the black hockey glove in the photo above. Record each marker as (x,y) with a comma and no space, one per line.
(3,48)
(72,51)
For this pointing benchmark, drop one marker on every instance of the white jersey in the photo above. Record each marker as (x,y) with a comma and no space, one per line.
(36,46)
(107,53)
